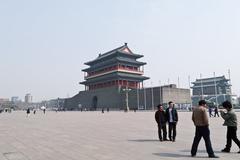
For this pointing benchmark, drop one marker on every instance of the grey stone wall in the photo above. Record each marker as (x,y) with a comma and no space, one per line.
(157,95)
(108,97)
(115,98)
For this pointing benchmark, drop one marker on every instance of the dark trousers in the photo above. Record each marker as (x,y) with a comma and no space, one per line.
(160,129)
(216,113)
(232,135)
(202,131)
(172,130)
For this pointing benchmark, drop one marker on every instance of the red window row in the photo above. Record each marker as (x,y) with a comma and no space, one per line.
(131,68)
(114,83)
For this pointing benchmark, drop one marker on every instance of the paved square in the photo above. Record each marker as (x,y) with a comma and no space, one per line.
(97,136)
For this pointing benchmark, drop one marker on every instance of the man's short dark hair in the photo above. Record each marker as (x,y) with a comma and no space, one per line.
(202,102)
(170,102)
(158,106)
(227,104)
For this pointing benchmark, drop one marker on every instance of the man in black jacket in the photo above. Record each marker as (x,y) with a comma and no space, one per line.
(172,119)
(160,118)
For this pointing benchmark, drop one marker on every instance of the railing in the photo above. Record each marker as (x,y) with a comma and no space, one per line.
(137,71)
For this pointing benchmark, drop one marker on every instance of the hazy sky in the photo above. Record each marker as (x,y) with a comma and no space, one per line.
(44,43)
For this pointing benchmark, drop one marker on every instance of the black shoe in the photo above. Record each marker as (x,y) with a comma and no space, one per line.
(225,150)
(160,140)
(193,155)
(213,156)
(238,151)
(173,140)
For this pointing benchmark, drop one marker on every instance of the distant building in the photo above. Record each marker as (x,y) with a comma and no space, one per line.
(4,100)
(54,104)
(214,89)
(115,80)
(14,99)
(28,98)
(149,98)
(235,101)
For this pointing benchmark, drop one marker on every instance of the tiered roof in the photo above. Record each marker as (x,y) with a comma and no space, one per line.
(121,51)
(210,80)
(121,55)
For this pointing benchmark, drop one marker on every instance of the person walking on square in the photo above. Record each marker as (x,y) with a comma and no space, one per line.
(172,119)
(200,120)
(210,111)
(28,112)
(230,120)
(216,112)
(160,118)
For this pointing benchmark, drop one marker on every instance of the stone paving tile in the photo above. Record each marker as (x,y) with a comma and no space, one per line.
(97,136)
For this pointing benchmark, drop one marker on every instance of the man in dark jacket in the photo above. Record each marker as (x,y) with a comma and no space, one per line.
(160,118)
(172,119)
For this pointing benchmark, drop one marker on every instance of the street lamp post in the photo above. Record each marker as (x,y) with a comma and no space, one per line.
(127,107)
(137,98)
(126,97)
(145,98)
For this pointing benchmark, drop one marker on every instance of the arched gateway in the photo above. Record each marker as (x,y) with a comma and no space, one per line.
(94,103)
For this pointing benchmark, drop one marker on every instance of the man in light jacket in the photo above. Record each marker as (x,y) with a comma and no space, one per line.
(200,120)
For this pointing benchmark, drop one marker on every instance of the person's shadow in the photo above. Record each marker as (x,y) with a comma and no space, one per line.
(172,155)
(186,154)
(143,140)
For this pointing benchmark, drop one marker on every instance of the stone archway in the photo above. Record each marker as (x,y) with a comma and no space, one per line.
(95,103)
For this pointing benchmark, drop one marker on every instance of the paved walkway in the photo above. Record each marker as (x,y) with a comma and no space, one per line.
(97,136)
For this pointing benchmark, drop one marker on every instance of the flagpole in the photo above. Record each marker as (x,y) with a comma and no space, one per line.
(137,96)
(152,96)
(201,86)
(160,96)
(215,84)
(169,89)
(178,82)
(189,83)
(144,92)
(229,75)
(178,90)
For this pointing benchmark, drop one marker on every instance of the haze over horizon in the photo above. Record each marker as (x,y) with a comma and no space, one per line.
(44,44)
